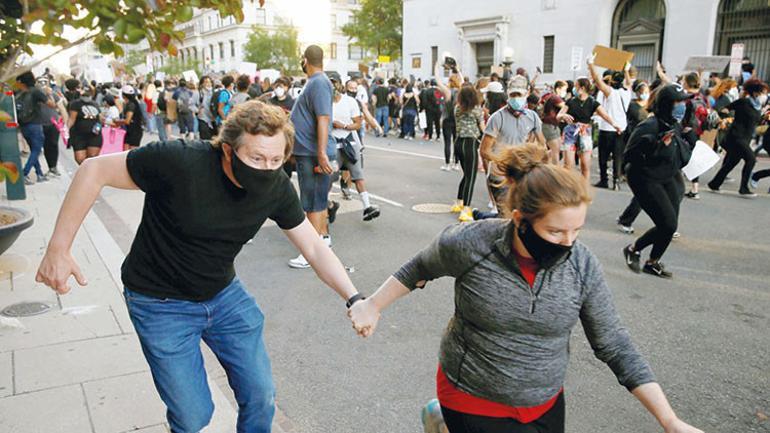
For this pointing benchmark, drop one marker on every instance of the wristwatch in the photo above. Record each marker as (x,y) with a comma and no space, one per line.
(353,299)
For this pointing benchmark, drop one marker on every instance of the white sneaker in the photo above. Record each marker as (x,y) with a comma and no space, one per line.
(299,262)
(456,167)
(445,167)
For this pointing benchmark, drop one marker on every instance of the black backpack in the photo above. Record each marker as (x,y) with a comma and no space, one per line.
(162,100)
(214,103)
(26,112)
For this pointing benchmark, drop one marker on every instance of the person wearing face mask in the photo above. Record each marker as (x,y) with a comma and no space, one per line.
(522,284)
(552,104)
(281,97)
(737,140)
(203,201)
(206,124)
(655,154)
(85,138)
(578,132)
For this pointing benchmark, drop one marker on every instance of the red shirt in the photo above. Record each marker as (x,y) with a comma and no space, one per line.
(452,398)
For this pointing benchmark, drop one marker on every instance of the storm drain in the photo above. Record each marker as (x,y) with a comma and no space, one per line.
(432,208)
(25,309)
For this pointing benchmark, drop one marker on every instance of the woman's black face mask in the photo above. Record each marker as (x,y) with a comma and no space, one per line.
(545,253)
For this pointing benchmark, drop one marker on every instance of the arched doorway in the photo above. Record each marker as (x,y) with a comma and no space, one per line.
(637,26)
(745,22)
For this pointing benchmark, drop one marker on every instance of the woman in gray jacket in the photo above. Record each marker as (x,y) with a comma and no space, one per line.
(521,285)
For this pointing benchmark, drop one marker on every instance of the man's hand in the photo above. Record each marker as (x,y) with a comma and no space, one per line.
(566,118)
(55,270)
(324,164)
(364,315)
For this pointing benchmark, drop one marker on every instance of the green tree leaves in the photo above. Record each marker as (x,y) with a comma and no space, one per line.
(377,27)
(279,50)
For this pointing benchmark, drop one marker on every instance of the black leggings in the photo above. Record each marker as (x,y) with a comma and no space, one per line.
(434,121)
(659,200)
(736,151)
(467,152)
(450,136)
(551,422)
(610,145)
(51,145)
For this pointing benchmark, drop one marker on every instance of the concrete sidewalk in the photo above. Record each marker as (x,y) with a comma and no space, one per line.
(78,367)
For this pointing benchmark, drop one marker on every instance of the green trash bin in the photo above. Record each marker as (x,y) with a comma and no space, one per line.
(10,156)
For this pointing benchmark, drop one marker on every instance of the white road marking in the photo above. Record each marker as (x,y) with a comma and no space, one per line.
(404,152)
(376,197)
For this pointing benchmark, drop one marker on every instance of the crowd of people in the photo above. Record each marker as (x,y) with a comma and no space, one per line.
(502,364)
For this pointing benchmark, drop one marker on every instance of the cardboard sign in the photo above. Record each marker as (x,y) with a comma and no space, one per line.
(499,70)
(247,68)
(611,58)
(707,63)
(576,59)
(736,57)
(190,76)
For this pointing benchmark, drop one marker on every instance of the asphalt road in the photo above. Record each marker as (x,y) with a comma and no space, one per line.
(705,332)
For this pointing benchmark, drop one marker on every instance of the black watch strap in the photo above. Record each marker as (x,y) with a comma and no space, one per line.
(353,299)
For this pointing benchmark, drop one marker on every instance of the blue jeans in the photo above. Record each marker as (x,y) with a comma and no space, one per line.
(381,115)
(33,133)
(170,332)
(161,125)
(407,128)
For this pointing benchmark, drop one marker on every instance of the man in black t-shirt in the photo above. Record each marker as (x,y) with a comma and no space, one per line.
(204,200)
(380,101)
(29,116)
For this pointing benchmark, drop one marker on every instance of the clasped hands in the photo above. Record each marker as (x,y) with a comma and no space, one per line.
(364,315)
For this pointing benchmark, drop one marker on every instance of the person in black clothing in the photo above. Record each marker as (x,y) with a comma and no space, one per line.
(382,109)
(85,135)
(636,114)
(738,136)
(432,106)
(654,156)
(281,96)
(132,119)
(203,201)
(28,108)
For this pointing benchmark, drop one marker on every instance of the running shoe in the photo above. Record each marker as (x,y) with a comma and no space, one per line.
(466,215)
(457,207)
(42,178)
(28,180)
(299,262)
(456,167)
(445,167)
(601,185)
(432,420)
(753,183)
(692,195)
(332,210)
(625,229)
(676,235)
(657,269)
(347,194)
(371,213)
(632,258)
(53,172)
(712,188)
(745,193)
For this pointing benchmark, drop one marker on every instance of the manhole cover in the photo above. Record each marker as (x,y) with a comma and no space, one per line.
(24,309)
(432,208)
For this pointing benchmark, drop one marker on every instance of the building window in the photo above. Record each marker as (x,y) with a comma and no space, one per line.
(195,53)
(416,62)
(181,55)
(261,16)
(548,42)
(333,51)
(333,18)
(433,57)
(221,50)
(637,26)
(210,25)
(355,52)
(744,22)
(211,52)
(232,49)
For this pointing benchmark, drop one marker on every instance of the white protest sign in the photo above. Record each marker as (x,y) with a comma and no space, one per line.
(576,59)
(247,68)
(736,57)
(272,74)
(160,75)
(703,158)
(190,76)
(100,71)
(140,70)
(707,63)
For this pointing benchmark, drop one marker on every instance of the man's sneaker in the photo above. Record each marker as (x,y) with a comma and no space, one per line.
(692,195)
(753,183)
(332,210)
(456,167)
(457,207)
(53,172)
(676,235)
(466,215)
(625,229)
(745,193)
(28,180)
(445,167)
(371,213)
(632,258)
(432,420)
(299,262)
(601,185)
(42,178)
(347,194)
(657,269)
(713,188)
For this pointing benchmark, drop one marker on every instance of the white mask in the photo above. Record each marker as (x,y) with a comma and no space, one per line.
(733,93)
(762,99)
(279,91)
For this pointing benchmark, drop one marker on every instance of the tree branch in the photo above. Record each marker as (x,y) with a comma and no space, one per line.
(8,70)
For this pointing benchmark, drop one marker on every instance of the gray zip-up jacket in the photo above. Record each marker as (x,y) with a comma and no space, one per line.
(508,342)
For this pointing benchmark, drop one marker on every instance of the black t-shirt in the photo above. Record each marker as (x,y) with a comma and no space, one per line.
(746,120)
(582,111)
(136,120)
(287,104)
(410,102)
(195,220)
(88,115)
(35,97)
(381,92)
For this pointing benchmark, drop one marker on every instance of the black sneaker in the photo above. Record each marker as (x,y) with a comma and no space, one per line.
(692,195)
(333,208)
(747,193)
(632,258)
(657,269)
(712,188)
(371,213)
(601,185)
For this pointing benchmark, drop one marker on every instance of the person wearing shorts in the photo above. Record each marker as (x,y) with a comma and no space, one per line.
(315,147)
(85,138)
(577,112)
(347,121)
